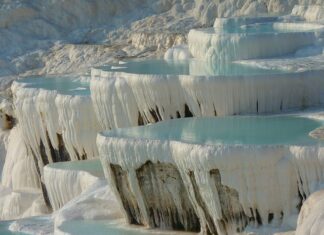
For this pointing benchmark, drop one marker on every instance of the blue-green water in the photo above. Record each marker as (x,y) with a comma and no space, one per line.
(94,167)
(259,28)
(253,130)
(63,85)
(69,86)
(192,67)
(4,229)
(102,227)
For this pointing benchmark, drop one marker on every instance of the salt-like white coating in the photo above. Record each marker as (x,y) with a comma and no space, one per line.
(221,47)
(180,52)
(310,220)
(309,12)
(120,98)
(64,184)
(19,171)
(44,114)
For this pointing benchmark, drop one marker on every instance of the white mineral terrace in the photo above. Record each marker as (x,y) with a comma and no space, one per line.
(235,171)
(57,113)
(209,172)
(133,95)
(251,38)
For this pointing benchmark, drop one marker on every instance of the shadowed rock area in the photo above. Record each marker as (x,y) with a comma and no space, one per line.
(166,198)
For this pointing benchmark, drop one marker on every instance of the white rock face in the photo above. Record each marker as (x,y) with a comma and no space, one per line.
(310,13)
(19,171)
(96,203)
(160,41)
(180,52)
(122,100)
(52,122)
(23,204)
(218,47)
(20,195)
(310,220)
(65,181)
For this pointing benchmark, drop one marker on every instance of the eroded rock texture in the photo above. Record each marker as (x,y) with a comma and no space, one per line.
(126,195)
(166,199)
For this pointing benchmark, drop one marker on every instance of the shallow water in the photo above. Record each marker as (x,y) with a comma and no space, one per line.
(4,229)
(102,227)
(262,28)
(186,67)
(63,85)
(268,130)
(94,167)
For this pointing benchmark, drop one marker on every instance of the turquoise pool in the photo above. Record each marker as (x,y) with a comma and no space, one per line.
(94,166)
(62,84)
(102,227)
(4,229)
(245,130)
(192,67)
(263,28)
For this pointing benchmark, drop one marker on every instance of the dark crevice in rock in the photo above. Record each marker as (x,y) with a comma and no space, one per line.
(154,115)
(251,219)
(145,118)
(84,155)
(140,120)
(63,153)
(10,121)
(43,187)
(301,195)
(301,200)
(60,155)
(211,228)
(281,105)
(232,210)
(127,197)
(215,112)
(52,150)
(162,188)
(270,217)
(188,113)
(281,215)
(257,106)
(43,153)
(158,113)
(57,155)
(45,196)
(199,105)
(178,114)
(80,157)
(258,217)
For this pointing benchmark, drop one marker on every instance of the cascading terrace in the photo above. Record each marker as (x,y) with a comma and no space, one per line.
(228,172)
(195,174)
